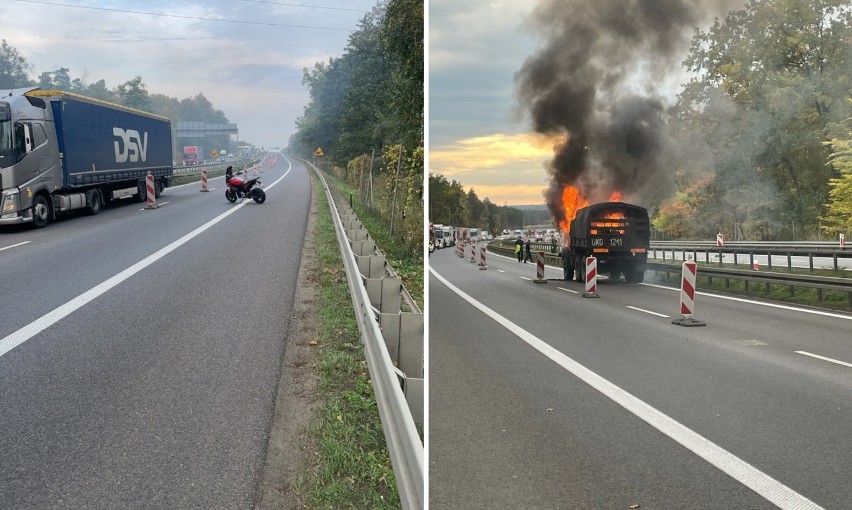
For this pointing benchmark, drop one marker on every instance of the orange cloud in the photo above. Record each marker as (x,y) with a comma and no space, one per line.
(483,152)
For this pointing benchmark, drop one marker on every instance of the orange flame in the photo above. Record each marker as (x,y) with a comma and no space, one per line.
(571,201)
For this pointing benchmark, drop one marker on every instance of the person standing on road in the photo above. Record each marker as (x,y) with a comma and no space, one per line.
(528,258)
(519,245)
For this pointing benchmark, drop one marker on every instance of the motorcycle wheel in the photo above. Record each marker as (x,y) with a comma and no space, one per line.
(231,196)
(258,195)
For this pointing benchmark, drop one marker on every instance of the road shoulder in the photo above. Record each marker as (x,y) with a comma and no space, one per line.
(289,446)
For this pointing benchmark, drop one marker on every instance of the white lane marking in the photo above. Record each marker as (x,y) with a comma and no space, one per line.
(14,245)
(748,475)
(500,271)
(525,278)
(647,311)
(830,360)
(568,290)
(771,305)
(45,321)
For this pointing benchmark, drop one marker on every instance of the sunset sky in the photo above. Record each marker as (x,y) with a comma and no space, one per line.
(477,136)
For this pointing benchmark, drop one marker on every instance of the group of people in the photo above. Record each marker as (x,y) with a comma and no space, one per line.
(521,248)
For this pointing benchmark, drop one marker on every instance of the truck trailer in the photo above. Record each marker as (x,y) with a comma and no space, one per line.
(61,151)
(617,234)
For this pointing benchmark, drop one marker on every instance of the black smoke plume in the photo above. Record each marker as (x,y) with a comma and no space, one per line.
(595,81)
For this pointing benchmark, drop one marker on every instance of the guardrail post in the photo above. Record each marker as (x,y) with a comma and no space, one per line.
(357,235)
(362,248)
(414,396)
(371,266)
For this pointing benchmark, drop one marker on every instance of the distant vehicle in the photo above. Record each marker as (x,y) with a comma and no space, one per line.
(519,233)
(61,151)
(449,235)
(192,155)
(438,229)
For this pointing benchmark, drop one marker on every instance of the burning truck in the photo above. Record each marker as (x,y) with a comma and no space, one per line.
(617,234)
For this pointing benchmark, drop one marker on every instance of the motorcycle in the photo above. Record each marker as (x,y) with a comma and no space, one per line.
(242,188)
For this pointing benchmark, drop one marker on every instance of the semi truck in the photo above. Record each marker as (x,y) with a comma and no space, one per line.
(60,151)
(617,234)
(192,155)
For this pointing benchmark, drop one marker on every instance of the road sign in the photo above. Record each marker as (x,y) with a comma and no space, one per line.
(318,152)
(214,153)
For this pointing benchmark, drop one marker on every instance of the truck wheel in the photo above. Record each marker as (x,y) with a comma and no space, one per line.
(95,202)
(141,193)
(579,269)
(638,275)
(158,188)
(41,211)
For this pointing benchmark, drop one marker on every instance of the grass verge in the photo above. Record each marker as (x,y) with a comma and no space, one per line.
(352,467)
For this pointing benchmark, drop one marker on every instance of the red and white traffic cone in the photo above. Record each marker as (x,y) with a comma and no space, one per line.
(756,265)
(720,241)
(687,296)
(591,278)
(150,191)
(842,240)
(539,268)
(482,264)
(473,253)
(204,180)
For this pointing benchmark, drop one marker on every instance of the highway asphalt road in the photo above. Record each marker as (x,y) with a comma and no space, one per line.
(140,349)
(541,398)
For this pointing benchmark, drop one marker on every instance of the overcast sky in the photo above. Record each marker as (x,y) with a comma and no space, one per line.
(478,135)
(249,65)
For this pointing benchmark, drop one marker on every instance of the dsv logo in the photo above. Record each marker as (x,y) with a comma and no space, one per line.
(131,146)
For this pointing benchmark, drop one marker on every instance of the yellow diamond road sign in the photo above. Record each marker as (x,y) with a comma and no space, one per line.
(318,152)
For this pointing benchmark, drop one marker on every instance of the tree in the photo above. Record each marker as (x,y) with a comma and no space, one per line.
(402,35)
(838,212)
(769,90)
(59,79)
(132,93)
(13,68)
(364,122)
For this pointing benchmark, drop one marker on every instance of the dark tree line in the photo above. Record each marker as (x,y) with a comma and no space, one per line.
(449,204)
(366,114)
(372,96)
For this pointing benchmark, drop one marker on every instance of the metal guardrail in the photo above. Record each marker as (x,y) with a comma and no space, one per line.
(403,441)
(820,283)
(769,249)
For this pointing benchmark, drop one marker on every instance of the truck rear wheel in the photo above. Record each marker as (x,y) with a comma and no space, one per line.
(95,202)
(141,193)
(579,269)
(634,275)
